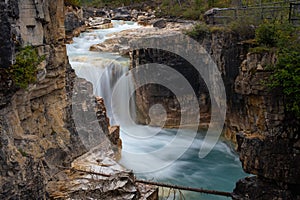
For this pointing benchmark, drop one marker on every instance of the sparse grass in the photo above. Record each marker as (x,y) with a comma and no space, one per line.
(76,3)
(218,29)
(199,31)
(261,49)
(23,153)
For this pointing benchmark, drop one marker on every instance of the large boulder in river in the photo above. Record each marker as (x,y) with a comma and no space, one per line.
(93,12)
(121,14)
(72,22)
(99,23)
(160,23)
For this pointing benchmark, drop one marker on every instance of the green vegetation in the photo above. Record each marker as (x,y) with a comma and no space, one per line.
(188,9)
(23,153)
(109,3)
(24,71)
(286,72)
(244,27)
(286,77)
(76,3)
(199,31)
(261,49)
(274,37)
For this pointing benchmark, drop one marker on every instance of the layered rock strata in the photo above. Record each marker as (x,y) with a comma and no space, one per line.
(35,133)
(39,136)
(266,135)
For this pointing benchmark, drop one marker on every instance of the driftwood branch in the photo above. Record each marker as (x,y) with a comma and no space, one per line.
(200,190)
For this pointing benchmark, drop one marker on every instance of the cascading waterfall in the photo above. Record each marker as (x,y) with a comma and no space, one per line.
(219,170)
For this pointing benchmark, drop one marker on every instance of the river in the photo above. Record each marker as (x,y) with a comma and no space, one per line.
(219,170)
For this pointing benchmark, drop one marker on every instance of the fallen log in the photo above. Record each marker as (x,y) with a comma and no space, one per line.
(200,190)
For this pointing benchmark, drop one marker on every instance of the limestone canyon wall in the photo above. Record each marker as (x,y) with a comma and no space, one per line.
(47,128)
(36,136)
(266,135)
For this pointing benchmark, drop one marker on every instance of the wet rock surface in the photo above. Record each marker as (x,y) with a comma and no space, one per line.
(268,137)
(119,42)
(96,175)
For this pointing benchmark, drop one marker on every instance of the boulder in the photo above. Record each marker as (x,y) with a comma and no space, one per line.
(99,23)
(160,23)
(92,12)
(124,17)
(72,22)
(121,14)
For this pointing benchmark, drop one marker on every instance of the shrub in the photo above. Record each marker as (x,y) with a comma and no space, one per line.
(286,77)
(266,34)
(199,31)
(243,27)
(275,34)
(286,72)
(76,3)
(24,71)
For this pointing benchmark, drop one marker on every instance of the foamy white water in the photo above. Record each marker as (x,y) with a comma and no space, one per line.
(218,171)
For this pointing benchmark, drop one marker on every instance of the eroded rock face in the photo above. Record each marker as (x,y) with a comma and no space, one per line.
(35,138)
(255,188)
(152,94)
(96,174)
(73,19)
(39,134)
(224,50)
(268,138)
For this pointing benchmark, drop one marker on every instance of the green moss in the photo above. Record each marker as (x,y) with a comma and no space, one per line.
(23,153)
(260,49)
(24,71)
(218,29)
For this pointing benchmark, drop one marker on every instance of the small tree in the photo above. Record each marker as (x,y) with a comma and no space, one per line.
(24,71)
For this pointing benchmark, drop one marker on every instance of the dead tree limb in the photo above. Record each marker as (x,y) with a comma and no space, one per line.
(200,190)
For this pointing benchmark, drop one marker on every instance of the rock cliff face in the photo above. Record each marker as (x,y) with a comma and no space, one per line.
(224,50)
(152,94)
(266,135)
(41,132)
(36,134)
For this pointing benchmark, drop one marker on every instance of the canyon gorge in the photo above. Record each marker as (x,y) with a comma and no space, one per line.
(46,152)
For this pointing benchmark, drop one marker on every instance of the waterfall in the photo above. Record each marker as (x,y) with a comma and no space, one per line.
(104,75)
(111,80)
(103,70)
